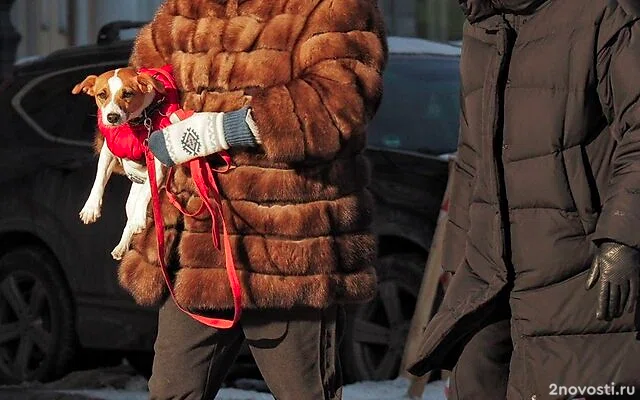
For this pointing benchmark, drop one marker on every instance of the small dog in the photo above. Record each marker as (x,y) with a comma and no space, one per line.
(130,104)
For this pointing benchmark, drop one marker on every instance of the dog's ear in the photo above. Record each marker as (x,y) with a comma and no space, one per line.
(86,86)
(148,83)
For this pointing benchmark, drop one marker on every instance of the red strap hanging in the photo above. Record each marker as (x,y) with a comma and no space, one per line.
(204,180)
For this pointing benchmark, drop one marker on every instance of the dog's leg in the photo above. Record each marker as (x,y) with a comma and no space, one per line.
(92,208)
(137,204)
(142,203)
(127,233)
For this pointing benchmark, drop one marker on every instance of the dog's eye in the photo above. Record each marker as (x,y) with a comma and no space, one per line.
(127,95)
(102,95)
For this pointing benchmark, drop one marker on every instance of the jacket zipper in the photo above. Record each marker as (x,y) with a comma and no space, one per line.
(505,46)
(506,43)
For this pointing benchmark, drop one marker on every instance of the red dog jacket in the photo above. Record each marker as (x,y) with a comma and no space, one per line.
(129,141)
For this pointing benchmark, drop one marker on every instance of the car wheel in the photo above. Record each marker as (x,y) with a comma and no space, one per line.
(142,362)
(36,317)
(375,332)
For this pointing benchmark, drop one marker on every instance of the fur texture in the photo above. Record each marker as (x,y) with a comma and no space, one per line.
(297,208)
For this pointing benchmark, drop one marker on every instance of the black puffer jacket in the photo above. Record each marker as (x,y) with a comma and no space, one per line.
(548,163)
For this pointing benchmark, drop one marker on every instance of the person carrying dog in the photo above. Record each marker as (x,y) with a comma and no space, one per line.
(544,221)
(286,88)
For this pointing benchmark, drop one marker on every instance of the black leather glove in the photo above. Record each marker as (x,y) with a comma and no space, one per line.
(618,267)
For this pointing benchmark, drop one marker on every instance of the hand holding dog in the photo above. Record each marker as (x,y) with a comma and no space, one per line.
(618,268)
(202,134)
(136,172)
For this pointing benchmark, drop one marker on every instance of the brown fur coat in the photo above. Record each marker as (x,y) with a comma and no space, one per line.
(297,207)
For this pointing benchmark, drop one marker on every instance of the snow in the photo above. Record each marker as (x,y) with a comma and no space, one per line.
(123,383)
(390,390)
(386,390)
(224,394)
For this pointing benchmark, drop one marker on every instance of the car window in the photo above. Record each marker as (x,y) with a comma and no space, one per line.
(420,106)
(47,102)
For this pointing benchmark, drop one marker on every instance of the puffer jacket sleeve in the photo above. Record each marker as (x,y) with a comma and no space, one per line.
(618,66)
(336,88)
(462,176)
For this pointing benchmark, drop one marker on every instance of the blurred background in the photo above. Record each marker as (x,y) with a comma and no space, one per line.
(49,25)
(65,322)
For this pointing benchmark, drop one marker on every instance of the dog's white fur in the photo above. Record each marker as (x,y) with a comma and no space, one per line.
(115,86)
(140,193)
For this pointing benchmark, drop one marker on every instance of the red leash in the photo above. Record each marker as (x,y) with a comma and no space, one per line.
(204,180)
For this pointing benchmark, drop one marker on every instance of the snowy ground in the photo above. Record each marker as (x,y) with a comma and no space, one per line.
(120,383)
(389,390)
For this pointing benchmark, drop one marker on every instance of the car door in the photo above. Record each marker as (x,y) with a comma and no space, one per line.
(409,138)
(66,124)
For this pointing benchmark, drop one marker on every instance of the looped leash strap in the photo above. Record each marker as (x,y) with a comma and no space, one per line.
(203,178)
(197,166)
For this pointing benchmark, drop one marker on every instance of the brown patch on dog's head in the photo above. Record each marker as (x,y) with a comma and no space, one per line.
(86,86)
(147,84)
(121,94)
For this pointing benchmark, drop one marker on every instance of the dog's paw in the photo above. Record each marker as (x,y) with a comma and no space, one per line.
(90,213)
(119,251)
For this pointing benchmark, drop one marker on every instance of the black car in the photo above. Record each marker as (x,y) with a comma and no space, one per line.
(58,285)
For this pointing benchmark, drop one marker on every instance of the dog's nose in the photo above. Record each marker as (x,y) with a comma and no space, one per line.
(113,118)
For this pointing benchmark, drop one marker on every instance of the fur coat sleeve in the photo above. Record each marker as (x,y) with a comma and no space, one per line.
(337,63)
(336,86)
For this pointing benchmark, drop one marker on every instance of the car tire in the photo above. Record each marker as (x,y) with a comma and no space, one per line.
(142,362)
(37,335)
(375,332)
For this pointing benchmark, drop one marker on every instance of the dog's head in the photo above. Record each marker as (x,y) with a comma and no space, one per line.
(121,94)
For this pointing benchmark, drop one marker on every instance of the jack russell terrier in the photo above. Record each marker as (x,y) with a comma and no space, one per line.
(131,104)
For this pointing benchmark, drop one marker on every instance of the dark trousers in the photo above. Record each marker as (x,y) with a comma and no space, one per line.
(296,352)
(482,371)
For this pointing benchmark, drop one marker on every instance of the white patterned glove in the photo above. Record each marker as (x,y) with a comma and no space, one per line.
(203,134)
